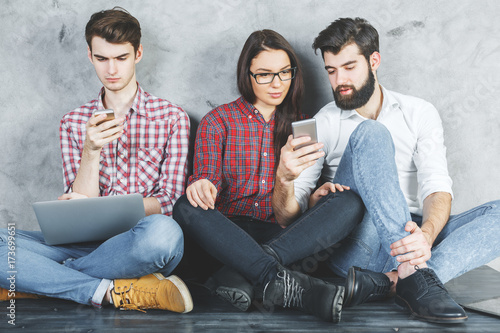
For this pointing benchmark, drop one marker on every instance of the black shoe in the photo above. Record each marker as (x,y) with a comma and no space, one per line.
(427,299)
(297,290)
(232,287)
(363,286)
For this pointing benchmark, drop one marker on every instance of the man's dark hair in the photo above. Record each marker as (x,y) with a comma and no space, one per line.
(116,26)
(346,31)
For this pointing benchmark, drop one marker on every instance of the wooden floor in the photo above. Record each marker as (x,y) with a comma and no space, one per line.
(211,314)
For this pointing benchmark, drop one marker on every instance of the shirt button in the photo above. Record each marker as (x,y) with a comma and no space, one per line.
(256,204)
(256,111)
(263,181)
(250,117)
(265,154)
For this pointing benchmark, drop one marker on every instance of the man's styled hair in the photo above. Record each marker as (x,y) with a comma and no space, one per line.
(116,26)
(346,31)
(289,110)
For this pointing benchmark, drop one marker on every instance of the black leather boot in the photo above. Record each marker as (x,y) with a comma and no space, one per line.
(232,287)
(427,299)
(363,286)
(300,291)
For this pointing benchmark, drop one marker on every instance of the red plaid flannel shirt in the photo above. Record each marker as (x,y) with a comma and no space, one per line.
(150,157)
(234,150)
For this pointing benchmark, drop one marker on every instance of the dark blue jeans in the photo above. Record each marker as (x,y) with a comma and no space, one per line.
(236,242)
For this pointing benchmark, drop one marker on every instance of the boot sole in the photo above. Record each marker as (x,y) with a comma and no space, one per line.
(338,301)
(183,289)
(349,286)
(400,302)
(238,298)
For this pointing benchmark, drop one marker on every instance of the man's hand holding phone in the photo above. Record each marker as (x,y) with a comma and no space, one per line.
(102,128)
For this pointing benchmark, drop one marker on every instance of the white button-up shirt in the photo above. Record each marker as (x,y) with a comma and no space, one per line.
(417,133)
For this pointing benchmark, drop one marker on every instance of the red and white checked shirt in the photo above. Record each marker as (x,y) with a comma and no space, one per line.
(234,150)
(150,157)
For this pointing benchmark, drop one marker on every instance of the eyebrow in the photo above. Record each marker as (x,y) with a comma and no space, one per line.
(120,56)
(344,64)
(268,70)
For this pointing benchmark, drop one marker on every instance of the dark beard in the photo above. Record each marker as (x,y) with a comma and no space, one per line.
(358,98)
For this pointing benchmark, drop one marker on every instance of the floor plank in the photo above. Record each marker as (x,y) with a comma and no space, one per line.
(211,314)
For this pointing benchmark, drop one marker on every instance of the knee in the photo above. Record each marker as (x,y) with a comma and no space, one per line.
(371,131)
(160,234)
(354,206)
(185,214)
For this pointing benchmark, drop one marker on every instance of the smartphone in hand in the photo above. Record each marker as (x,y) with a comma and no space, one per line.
(110,115)
(305,127)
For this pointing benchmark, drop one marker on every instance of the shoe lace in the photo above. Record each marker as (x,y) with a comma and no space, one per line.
(431,279)
(292,295)
(135,298)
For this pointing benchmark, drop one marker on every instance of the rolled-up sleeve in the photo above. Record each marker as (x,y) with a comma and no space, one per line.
(170,185)
(209,147)
(430,155)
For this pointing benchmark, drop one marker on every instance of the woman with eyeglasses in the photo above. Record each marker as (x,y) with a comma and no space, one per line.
(228,207)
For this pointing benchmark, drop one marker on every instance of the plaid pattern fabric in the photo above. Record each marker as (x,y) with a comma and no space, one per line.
(150,157)
(234,150)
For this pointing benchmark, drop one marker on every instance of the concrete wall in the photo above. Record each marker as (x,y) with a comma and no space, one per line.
(444,51)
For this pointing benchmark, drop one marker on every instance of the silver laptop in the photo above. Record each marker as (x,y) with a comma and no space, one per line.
(89,219)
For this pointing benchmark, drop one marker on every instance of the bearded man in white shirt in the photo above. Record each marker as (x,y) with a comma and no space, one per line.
(389,149)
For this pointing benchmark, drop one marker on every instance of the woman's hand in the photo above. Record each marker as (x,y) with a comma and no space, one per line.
(293,162)
(202,193)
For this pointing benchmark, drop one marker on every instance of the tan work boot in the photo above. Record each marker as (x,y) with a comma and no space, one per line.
(4,295)
(152,291)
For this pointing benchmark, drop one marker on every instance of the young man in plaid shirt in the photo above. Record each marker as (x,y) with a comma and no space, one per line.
(143,150)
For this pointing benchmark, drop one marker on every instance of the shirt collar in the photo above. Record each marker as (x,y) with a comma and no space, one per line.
(138,105)
(250,111)
(389,103)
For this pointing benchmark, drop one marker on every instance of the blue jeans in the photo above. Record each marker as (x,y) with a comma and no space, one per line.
(83,272)
(467,241)
(236,241)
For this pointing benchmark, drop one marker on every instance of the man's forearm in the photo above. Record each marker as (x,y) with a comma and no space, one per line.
(152,206)
(436,212)
(285,206)
(87,178)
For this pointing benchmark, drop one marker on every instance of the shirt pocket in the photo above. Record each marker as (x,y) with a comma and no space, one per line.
(148,173)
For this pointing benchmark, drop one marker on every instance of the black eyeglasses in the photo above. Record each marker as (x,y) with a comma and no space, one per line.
(284,75)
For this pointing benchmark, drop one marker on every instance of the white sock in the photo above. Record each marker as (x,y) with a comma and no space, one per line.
(111,286)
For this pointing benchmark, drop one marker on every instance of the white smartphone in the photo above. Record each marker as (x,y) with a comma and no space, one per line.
(305,127)
(110,115)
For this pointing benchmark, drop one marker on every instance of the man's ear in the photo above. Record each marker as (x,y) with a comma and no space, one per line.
(138,54)
(375,59)
(89,54)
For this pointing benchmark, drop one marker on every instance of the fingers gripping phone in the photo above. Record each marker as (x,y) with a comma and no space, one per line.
(110,115)
(305,127)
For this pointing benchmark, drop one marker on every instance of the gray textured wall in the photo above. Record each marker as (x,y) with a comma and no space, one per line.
(444,51)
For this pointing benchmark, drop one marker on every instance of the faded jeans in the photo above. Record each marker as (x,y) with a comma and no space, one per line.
(468,240)
(83,272)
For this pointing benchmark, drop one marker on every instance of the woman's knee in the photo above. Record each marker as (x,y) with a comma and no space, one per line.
(183,211)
